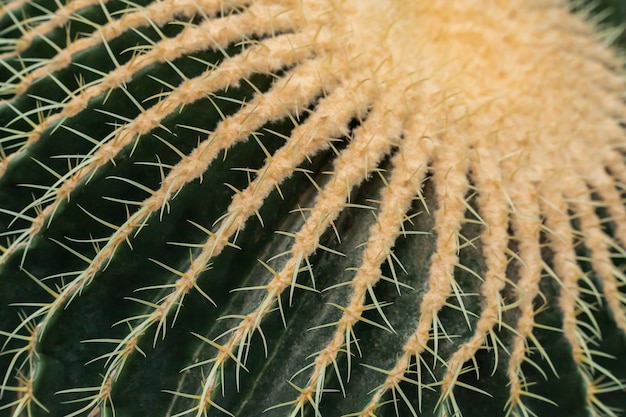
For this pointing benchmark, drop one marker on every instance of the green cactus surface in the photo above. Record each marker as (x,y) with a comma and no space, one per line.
(312,208)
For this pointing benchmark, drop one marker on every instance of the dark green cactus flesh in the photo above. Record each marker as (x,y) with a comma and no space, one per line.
(314,208)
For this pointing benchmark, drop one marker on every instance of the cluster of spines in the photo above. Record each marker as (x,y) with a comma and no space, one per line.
(382,129)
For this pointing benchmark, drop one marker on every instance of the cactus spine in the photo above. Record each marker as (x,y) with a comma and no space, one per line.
(310,208)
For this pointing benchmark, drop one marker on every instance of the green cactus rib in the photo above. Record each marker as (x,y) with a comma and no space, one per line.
(318,208)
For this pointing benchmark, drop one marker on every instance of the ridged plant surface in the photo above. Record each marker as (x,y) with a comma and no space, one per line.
(315,208)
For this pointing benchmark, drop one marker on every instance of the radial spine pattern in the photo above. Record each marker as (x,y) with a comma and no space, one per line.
(450,127)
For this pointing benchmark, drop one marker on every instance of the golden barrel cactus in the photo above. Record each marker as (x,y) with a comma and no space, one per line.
(320,208)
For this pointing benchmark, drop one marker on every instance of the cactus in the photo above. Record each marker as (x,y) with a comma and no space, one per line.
(311,208)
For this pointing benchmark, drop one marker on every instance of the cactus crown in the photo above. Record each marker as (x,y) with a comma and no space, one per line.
(319,207)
